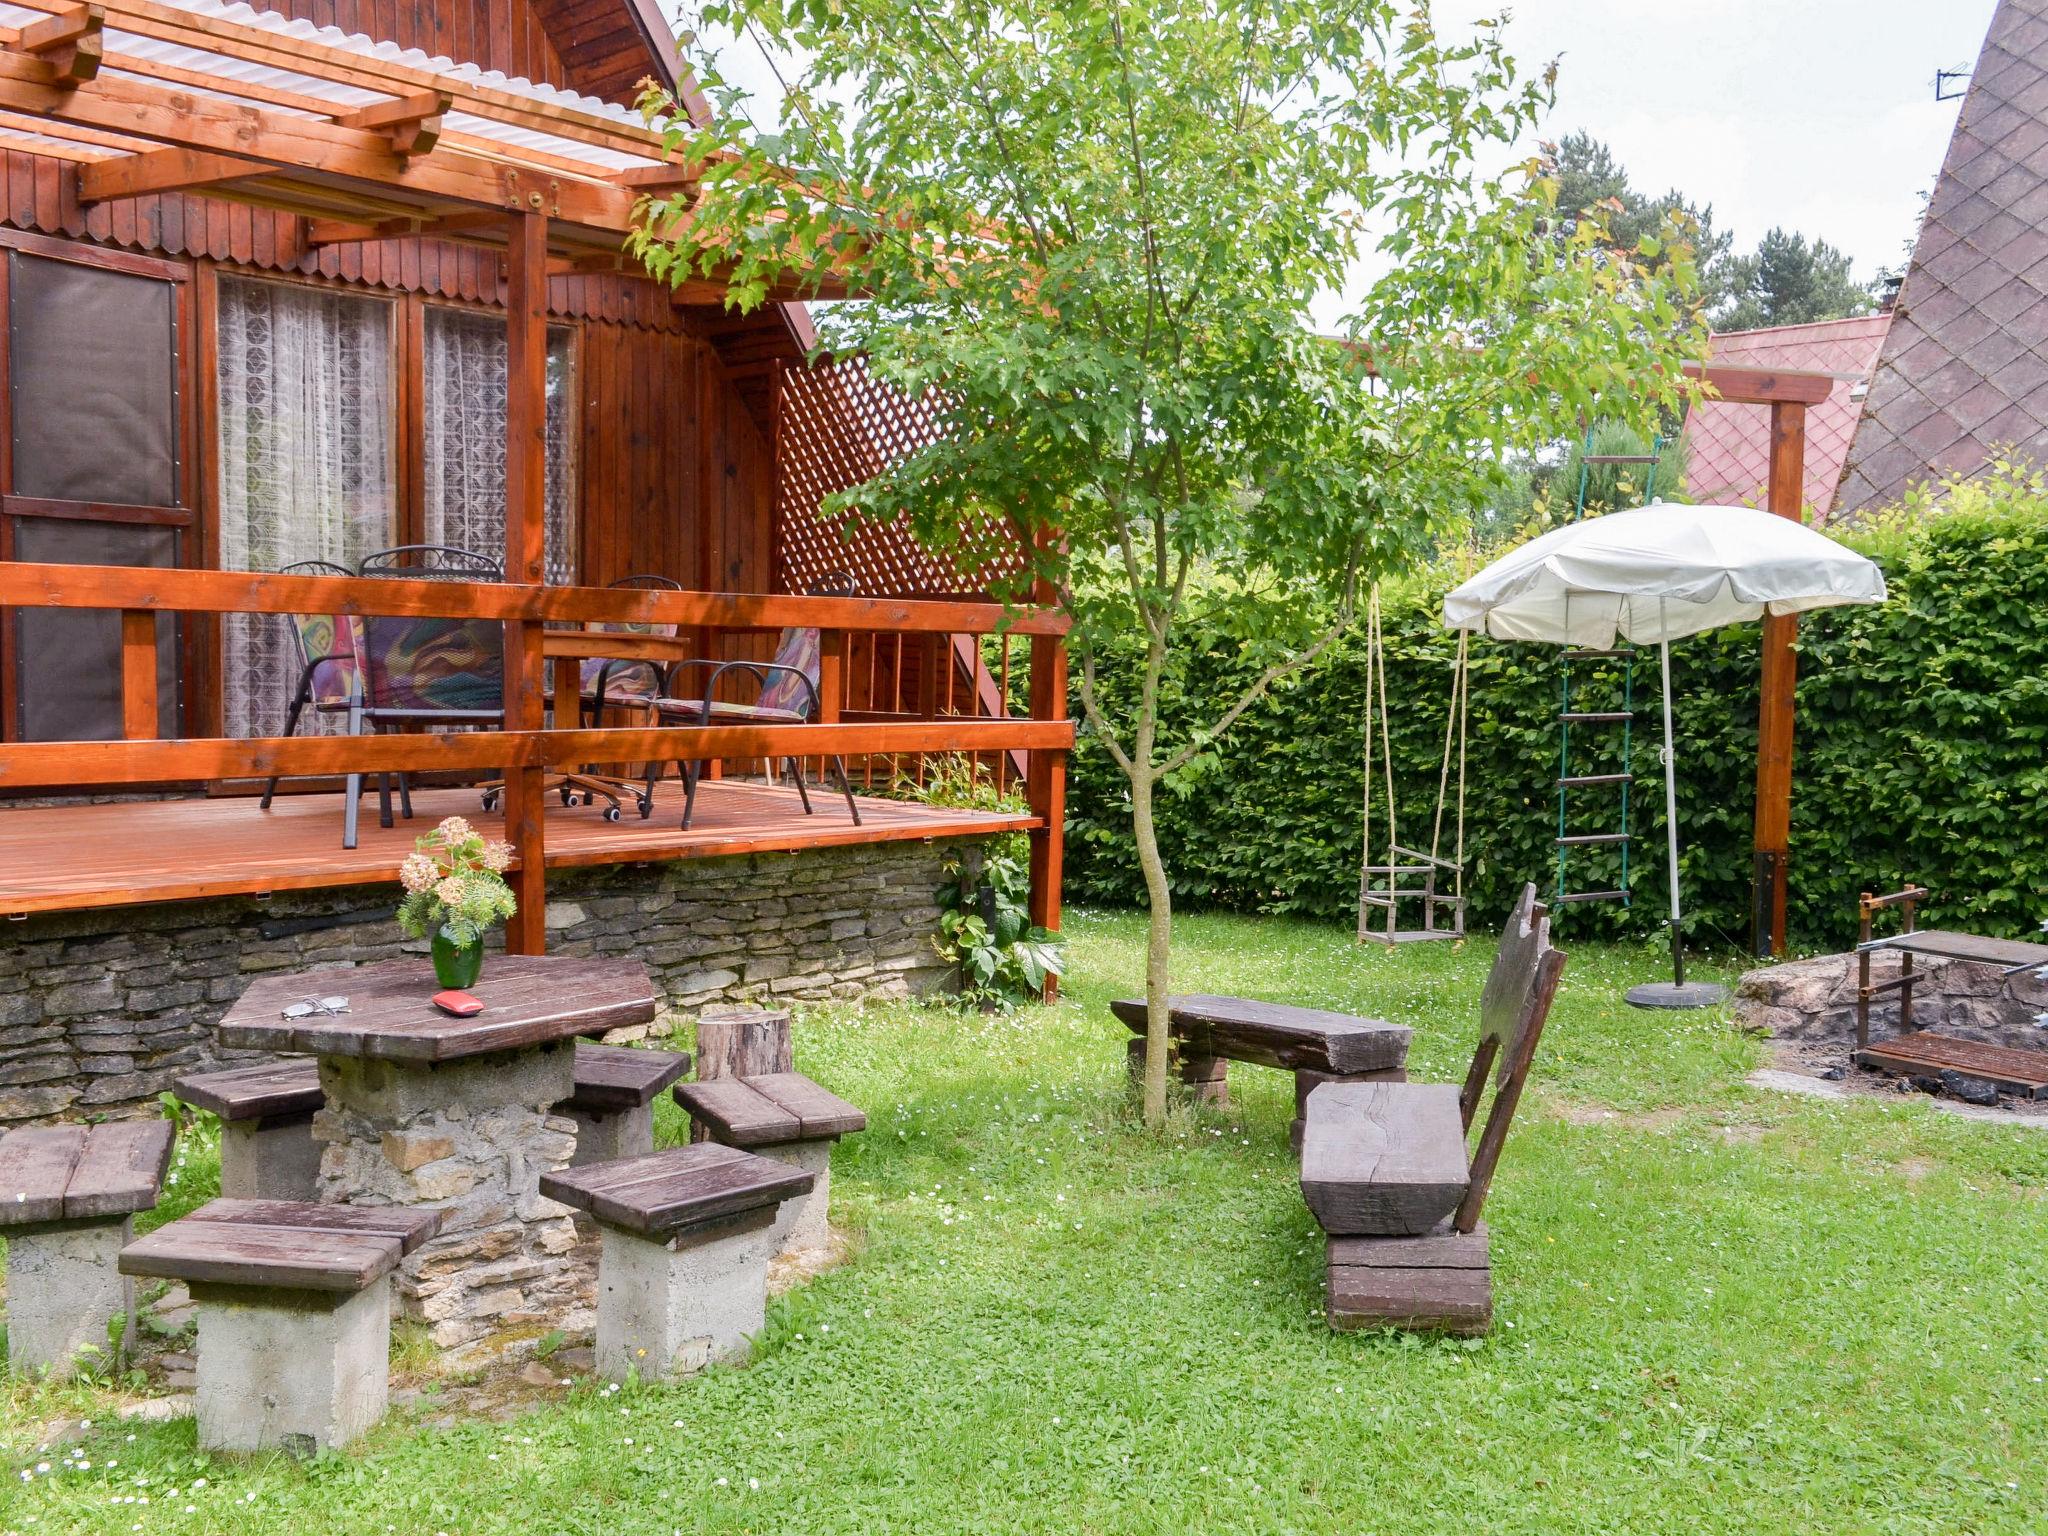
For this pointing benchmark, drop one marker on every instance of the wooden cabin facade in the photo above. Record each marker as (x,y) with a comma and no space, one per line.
(303,283)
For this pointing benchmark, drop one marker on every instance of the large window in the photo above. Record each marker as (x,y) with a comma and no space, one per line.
(307,466)
(465,437)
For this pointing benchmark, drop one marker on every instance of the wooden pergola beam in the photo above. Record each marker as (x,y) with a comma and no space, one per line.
(412,122)
(161,170)
(323,150)
(69,42)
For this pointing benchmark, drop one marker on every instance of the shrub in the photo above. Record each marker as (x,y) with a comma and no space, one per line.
(1920,752)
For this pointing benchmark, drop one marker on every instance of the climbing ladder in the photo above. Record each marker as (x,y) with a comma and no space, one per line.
(1572,710)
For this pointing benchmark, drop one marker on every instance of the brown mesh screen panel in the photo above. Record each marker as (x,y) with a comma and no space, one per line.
(836,426)
(68,660)
(92,358)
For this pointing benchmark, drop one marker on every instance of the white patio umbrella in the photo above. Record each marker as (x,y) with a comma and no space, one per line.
(1651,576)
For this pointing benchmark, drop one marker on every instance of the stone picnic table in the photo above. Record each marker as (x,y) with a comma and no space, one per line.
(423,1109)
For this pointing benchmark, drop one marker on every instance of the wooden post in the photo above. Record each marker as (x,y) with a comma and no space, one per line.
(526,385)
(1045,788)
(831,680)
(1774,708)
(138,674)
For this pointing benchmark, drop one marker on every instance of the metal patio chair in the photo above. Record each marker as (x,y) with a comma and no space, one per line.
(424,671)
(788,696)
(329,647)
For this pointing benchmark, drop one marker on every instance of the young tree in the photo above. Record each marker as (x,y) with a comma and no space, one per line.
(1590,178)
(1093,232)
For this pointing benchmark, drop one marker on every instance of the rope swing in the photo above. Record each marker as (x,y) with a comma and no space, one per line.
(1380,887)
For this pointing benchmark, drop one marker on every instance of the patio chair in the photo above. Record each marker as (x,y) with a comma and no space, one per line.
(788,696)
(329,644)
(419,671)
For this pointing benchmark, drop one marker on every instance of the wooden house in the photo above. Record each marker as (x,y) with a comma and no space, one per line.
(300,285)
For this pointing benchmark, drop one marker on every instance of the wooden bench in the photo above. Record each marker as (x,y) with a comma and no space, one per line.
(267,1150)
(68,1198)
(1385,1166)
(1316,1045)
(294,1314)
(786,1116)
(613,1105)
(682,1276)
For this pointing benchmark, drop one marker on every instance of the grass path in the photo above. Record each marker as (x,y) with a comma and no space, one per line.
(1719,1310)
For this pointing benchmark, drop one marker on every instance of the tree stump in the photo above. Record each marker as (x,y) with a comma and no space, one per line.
(740,1042)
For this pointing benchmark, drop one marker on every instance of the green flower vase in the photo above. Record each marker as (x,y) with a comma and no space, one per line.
(457,965)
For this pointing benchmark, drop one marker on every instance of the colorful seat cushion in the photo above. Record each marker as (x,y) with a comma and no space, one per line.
(434,664)
(785,690)
(629,682)
(336,640)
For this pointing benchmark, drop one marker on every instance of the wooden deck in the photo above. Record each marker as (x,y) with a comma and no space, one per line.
(66,858)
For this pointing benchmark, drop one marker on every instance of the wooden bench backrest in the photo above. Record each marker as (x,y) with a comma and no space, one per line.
(1512,1011)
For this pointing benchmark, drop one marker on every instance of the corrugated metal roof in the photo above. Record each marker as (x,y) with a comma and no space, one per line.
(1730,445)
(1965,366)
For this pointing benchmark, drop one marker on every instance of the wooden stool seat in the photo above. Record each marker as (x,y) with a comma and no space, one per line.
(682,1276)
(294,1314)
(615,1077)
(676,1190)
(770,1110)
(284,1244)
(271,1090)
(613,1105)
(82,1172)
(68,1198)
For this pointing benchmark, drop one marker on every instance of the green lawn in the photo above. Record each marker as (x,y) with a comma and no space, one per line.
(1719,1310)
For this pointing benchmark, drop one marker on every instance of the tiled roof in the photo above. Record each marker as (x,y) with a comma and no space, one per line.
(1729,445)
(1966,363)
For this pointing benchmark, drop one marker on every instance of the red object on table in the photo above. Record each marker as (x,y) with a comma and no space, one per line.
(457,1004)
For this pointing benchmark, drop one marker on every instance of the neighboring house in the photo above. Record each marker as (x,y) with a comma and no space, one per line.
(1728,445)
(1965,365)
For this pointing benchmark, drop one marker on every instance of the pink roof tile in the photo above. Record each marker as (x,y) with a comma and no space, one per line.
(1730,445)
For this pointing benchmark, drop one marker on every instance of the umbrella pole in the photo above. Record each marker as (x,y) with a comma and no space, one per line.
(1671,811)
(1677,992)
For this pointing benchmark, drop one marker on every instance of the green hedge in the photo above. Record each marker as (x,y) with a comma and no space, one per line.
(1922,753)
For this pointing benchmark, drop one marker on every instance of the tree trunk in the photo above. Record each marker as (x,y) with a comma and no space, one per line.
(1158,941)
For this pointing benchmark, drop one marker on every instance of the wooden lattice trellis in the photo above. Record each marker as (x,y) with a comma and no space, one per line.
(836,426)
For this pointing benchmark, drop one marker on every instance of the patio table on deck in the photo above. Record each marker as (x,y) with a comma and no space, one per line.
(427,1109)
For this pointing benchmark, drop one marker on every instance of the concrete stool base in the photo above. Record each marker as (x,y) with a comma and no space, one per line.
(607,1135)
(274,1158)
(803,1225)
(63,1290)
(291,1370)
(666,1309)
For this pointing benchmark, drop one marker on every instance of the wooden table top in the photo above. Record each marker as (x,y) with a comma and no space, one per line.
(528,1000)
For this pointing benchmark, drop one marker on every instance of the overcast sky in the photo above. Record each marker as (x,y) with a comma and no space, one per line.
(1817,115)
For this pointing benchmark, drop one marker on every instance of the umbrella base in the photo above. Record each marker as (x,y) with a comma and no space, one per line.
(1672,994)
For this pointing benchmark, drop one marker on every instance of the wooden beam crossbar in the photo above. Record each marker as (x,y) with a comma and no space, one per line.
(59,764)
(38,585)
(411,122)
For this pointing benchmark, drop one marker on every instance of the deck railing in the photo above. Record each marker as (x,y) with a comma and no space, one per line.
(855,627)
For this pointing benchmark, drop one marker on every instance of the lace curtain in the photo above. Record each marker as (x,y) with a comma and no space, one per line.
(306,464)
(465,438)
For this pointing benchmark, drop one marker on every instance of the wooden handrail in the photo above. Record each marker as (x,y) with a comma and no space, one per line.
(28,584)
(76,764)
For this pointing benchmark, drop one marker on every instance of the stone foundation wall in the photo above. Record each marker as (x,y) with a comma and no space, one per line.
(99,1011)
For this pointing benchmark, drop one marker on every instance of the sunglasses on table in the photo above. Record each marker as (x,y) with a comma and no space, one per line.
(315,1006)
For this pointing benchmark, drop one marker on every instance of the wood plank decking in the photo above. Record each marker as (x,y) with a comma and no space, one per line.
(64,858)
